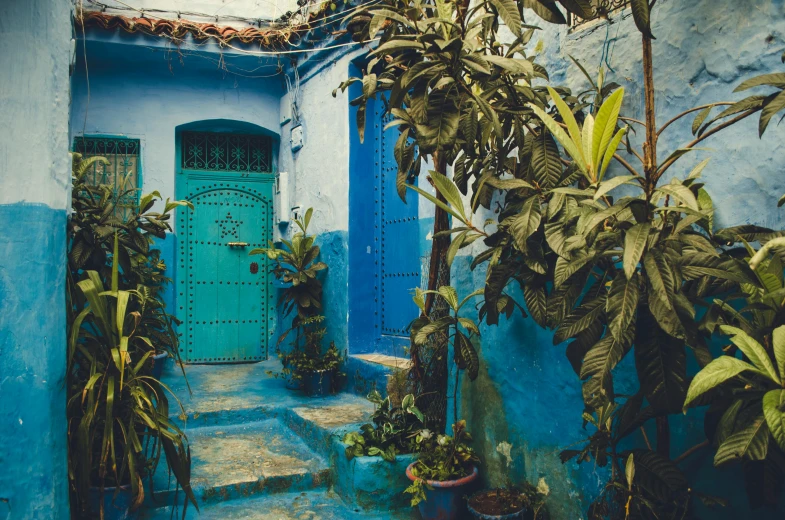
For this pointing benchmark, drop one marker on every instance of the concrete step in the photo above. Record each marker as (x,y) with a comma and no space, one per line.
(309,505)
(244,460)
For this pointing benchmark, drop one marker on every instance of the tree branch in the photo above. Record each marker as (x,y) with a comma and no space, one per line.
(690,451)
(686,112)
(667,164)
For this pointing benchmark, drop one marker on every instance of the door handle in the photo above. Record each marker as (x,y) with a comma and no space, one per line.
(237,244)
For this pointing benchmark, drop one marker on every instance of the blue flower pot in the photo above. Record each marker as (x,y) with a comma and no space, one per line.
(518,515)
(319,383)
(445,501)
(115,507)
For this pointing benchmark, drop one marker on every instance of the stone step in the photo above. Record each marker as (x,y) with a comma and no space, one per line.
(244,460)
(309,505)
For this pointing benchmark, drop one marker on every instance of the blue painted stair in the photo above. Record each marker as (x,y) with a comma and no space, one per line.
(259,450)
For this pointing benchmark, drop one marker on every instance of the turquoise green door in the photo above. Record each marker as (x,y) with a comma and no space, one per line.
(226,292)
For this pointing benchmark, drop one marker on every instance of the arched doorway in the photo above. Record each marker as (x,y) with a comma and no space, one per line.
(224,296)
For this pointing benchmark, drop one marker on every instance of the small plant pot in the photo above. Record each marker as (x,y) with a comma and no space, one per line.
(479,503)
(115,507)
(318,383)
(159,360)
(445,501)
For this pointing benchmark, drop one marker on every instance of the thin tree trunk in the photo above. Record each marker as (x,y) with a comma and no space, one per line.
(650,169)
(441,222)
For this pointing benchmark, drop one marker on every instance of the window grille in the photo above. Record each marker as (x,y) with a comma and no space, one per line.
(226,152)
(122,174)
(602,9)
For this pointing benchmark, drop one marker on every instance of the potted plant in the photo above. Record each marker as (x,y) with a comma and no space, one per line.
(440,476)
(315,371)
(118,411)
(296,266)
(392,430)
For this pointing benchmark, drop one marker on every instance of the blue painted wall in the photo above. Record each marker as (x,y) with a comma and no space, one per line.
(34,173)
(527,393)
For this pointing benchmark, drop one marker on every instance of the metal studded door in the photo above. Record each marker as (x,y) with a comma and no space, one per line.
(224,295)
(226,290)
(398,235)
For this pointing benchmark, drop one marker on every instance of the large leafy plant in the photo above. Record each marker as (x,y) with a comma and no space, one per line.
(118,413)
(393,429)
(116,409)
(615,265)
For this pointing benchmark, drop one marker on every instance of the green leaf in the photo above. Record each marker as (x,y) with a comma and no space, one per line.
(605,126)
(715,373)
(547,10)
(581,319)
(642,16)
(753,350)
(622,303)
(657,475)
(629,471)
(778,340)
(769,109)
(773,80)
(561,136)
(545,160)
(508,184)
(611,151)
(467,353)
(700,118)
(450,295)
(536,302)
(455,245)
(397,45)
(567,116)
(634,244)
(661,363)
(437,202)
(508,12)
(610,184)
(681,193)
(513,65)
(750,443)
(526,223)
(773,402)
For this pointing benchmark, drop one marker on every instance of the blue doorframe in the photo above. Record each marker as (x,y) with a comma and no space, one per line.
(384,241)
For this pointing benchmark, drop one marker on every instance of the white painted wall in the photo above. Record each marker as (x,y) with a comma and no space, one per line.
(34,164)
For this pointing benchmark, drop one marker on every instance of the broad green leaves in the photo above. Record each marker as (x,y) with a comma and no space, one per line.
(593,146)
(634,245)
(717,372)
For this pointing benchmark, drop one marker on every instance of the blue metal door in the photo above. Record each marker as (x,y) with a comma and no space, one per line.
(399,237)
(224,295)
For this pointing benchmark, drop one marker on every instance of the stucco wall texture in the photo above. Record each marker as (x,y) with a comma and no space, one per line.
(34,173)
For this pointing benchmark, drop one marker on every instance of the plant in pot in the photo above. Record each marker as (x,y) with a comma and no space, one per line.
(118,411)
(296,266)
(393,430)
(510,502)
(315,370)
(444,469)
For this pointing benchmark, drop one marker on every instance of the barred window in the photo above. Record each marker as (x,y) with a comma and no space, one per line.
(602,9)
(122,174)
(223,152)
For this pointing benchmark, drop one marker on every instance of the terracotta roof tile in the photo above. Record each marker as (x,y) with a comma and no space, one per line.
(178,29)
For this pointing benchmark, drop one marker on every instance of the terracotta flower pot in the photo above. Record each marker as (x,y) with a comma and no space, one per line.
(445,501)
